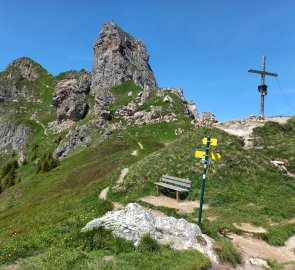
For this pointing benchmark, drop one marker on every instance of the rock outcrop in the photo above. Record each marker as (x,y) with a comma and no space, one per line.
(118,57)
(74,139)
(176,91)
(13,77)
(70,100)
(192,110)
(103,100)
(206,119)
(27,67)
(134,221)
(12,134)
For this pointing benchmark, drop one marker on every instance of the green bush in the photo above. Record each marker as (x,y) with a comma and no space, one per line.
(121,245)
(148,244)
(103,239)
(227,252)
(9,175)
(47,163)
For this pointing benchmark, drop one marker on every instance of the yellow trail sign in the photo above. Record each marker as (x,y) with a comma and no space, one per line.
(213,141)
(200,154)
(212,155)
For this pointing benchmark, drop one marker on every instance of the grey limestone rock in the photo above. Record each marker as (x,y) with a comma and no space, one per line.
(167,99)
(192,110)
(118,57)
(69,100)
(14,134)
(134,221)
(28,69)
(191,107)
(22,158)
(177,91)
(103,100)
(206,119)
(11,79)
(74,139)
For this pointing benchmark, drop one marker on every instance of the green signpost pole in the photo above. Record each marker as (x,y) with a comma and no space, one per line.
(204,178)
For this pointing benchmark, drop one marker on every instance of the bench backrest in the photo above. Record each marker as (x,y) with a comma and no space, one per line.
(176,181)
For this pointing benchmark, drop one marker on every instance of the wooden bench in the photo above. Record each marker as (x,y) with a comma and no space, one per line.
(174,183)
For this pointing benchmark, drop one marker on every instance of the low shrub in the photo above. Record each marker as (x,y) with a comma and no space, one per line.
(47,163)
(148,244)
(227,252)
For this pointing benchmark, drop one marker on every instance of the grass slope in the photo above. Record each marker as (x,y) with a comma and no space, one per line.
(41,217)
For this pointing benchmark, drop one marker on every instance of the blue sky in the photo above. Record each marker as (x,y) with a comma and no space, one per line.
(204,47)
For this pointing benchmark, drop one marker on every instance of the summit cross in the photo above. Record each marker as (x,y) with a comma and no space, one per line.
(263,87)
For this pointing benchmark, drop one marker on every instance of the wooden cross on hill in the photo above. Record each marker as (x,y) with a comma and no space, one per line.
(263,87)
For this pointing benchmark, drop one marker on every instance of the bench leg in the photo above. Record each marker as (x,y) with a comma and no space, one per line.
(157,190)
(177,195)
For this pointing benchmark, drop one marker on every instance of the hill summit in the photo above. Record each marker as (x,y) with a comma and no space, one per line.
(118,57)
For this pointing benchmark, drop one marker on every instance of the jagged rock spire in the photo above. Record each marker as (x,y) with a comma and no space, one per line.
(118,57)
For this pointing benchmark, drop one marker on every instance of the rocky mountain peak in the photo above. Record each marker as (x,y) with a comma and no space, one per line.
(13,78)
(26,66)
(118,57)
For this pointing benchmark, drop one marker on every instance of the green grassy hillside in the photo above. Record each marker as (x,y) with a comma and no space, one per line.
(42,215)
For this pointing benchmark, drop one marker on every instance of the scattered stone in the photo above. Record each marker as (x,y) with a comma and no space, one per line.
(134,153)
(103,194)
(259,262)
(122,175)
(177,91)
(140,145)
(130,94)
(107,258)
(280,165)
(106,134)
(57,127)
(134,221)
(168,99)
(22,158)
(133,117)
(178,131)
(206,119)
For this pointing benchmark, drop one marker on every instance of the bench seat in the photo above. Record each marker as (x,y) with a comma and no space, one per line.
(174,183)
(171,187)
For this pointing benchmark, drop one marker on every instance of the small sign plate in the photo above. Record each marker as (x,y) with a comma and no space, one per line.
(212,155)
(213,141)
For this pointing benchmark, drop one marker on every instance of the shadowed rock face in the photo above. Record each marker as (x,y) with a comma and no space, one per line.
(14,134)
(118,57)
(70,101)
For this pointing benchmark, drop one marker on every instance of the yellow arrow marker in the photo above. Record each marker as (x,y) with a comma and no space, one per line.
(212,155)
(213,141)
(200,154)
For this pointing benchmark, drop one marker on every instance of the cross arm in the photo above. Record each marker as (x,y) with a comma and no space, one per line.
(263,72)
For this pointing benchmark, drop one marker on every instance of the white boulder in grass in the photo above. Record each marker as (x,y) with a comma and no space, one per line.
(134,221)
